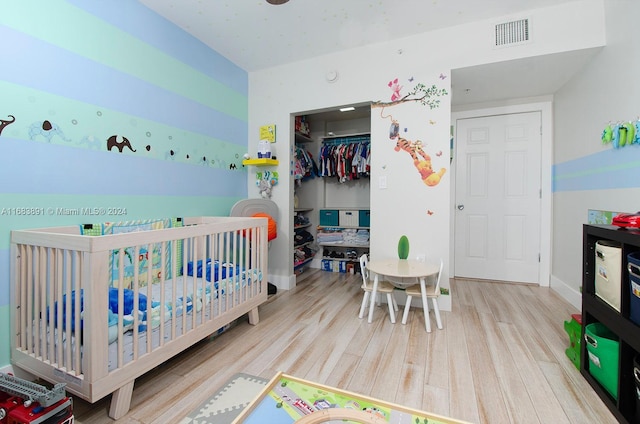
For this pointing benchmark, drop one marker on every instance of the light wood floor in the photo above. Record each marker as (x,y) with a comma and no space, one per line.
(499,359)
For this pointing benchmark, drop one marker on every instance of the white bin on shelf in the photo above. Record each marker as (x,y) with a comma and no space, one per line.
(349,218)
(609,272)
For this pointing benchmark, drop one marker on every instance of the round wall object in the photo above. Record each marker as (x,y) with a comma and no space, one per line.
(332,76)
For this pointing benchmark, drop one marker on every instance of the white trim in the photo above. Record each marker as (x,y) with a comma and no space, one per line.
(546,160)
(567,292)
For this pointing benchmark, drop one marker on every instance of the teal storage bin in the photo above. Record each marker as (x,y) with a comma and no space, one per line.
(364,218)
(329,217)
(603,351)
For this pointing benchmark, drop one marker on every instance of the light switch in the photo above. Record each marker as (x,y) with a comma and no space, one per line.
(382,182)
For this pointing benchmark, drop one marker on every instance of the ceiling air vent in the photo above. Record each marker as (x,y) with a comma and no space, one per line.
(510,33)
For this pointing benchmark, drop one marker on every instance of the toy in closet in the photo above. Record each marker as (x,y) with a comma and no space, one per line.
(347,157)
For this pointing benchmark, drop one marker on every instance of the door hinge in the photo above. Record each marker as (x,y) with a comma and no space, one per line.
(540,193)
(538,257)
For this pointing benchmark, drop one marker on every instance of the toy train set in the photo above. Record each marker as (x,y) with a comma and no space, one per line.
(25,402)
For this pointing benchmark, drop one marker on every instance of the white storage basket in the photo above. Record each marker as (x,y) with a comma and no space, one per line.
(609,272)
(349,218)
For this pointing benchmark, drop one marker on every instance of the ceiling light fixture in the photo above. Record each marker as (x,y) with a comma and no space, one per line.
(277,1)
(347,109)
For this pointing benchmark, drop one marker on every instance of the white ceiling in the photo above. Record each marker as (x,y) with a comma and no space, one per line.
(256,35)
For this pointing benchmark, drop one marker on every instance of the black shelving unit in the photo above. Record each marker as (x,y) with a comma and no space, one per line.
(594,309)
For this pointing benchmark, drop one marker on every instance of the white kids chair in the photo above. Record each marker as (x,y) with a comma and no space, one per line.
(383,287)
(432,292)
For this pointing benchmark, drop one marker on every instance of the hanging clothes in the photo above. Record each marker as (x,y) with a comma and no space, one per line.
(346,158)
(304,167)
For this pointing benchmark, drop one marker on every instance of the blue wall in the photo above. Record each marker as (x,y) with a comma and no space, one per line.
(76,73)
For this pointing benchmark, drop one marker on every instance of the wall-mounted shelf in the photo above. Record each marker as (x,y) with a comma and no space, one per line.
(260,162)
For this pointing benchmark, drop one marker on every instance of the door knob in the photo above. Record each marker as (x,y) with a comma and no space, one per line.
(460,207)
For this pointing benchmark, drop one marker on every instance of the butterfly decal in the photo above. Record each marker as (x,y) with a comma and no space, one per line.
(439,153)
(410,79)
(432,122)
(442,76)
(429,212)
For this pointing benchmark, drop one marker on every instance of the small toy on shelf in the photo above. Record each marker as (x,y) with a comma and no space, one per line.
(302,126)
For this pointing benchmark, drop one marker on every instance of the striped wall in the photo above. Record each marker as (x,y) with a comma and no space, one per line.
(107,106)
(608,169)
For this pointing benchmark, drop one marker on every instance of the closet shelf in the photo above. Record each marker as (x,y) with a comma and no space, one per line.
(364,246)
(301,138)
(298,265)
(332,137)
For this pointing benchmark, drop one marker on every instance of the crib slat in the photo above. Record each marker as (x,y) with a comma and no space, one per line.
(65,349)
(150,253)
(136,288)
(196,257)
(40,301)
(120,352)
(78,271)
(54,306)
(23,294)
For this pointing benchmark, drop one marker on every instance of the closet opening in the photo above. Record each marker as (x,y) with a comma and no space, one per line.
(331,188)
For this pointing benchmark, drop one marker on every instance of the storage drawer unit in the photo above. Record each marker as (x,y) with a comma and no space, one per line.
(602,351)
(364,219)
(633,267)
(609,272)
(329,217)
(615,385)
(349,218)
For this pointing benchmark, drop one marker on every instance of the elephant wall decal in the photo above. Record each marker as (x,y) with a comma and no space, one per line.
(119,142)
(4,123)
(46,129)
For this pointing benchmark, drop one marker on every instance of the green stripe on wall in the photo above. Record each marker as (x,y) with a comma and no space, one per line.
(595,171)
(90,126)
(19,211)
(57,22)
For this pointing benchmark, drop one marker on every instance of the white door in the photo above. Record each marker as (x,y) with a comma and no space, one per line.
(497,216)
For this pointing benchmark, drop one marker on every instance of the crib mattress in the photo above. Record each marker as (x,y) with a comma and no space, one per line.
(210,300)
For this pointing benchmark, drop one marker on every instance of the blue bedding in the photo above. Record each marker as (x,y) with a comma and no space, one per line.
(215,273)
(219,271)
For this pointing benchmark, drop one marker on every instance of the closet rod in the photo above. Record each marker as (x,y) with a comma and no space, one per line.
(337,141)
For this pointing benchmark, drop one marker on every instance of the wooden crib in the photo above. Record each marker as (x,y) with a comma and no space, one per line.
(96,312)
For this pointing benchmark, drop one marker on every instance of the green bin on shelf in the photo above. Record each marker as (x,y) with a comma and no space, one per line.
(603,352)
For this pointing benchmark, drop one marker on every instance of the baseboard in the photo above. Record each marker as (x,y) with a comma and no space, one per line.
(567,292)
(283,282)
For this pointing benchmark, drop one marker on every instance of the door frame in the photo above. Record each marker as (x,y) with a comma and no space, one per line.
(544,106)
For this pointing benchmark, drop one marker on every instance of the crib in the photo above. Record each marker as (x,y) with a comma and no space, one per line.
(97,311)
